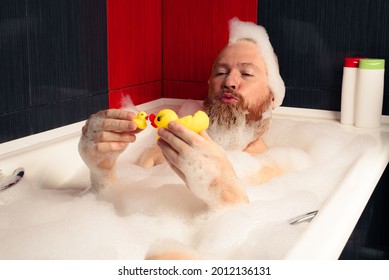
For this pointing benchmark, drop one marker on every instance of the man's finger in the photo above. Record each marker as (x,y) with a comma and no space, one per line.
(117,125)
(118,114)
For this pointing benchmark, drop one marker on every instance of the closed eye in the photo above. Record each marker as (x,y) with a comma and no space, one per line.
(220,70)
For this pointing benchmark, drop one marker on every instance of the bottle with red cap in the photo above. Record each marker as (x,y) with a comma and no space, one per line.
(349,80)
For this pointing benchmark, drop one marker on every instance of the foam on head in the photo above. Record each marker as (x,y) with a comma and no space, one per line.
(239,31)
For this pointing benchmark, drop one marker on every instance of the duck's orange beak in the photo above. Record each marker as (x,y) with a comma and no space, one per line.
(152,118)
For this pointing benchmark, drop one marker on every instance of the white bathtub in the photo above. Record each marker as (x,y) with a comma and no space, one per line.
(51,158)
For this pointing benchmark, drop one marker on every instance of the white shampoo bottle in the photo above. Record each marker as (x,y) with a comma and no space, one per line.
(349,80)
(369,93)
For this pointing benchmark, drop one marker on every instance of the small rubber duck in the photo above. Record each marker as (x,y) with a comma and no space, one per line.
(197,123)
(141,119)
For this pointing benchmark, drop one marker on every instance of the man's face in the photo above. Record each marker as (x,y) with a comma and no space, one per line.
(238,94)
(241,68)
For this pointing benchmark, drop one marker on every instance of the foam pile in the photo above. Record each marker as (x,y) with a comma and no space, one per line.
(152,207)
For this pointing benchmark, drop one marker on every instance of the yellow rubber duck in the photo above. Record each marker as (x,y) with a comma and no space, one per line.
(197,123)
(141,119)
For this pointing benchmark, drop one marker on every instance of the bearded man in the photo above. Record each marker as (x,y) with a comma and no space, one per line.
(244,87)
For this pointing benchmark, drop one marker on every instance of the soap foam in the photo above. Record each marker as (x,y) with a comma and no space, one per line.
(151,210)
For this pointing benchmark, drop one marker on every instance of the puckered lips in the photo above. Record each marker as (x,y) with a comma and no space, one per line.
(227,97)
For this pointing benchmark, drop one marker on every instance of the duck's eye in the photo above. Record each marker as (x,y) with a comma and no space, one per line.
(159,118)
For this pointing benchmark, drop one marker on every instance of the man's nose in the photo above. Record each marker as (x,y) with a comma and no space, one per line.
(231,81)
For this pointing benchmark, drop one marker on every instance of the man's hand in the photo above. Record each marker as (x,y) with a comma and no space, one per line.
(104,137)
(202,164)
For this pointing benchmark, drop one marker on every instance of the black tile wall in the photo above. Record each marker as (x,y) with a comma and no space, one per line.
(311,39)
(65,112)
(53,68)
(14,86)
(15,125)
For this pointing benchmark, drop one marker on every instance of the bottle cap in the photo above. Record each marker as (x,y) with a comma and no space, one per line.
(351,62)
(372,63)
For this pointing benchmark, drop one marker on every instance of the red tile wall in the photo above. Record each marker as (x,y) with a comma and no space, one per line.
(139,94)
(166,47)
(134,49)
(194,31)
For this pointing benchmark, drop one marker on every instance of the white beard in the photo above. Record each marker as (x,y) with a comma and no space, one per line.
(234,127)
(238,135)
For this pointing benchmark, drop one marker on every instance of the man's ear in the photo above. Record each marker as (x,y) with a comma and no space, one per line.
(272,100)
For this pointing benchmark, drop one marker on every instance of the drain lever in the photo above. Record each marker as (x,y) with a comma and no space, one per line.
(303,218)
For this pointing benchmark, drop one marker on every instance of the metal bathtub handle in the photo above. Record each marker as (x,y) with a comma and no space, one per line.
(303,218)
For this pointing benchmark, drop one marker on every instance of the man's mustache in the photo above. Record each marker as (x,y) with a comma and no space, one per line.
(230,90)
